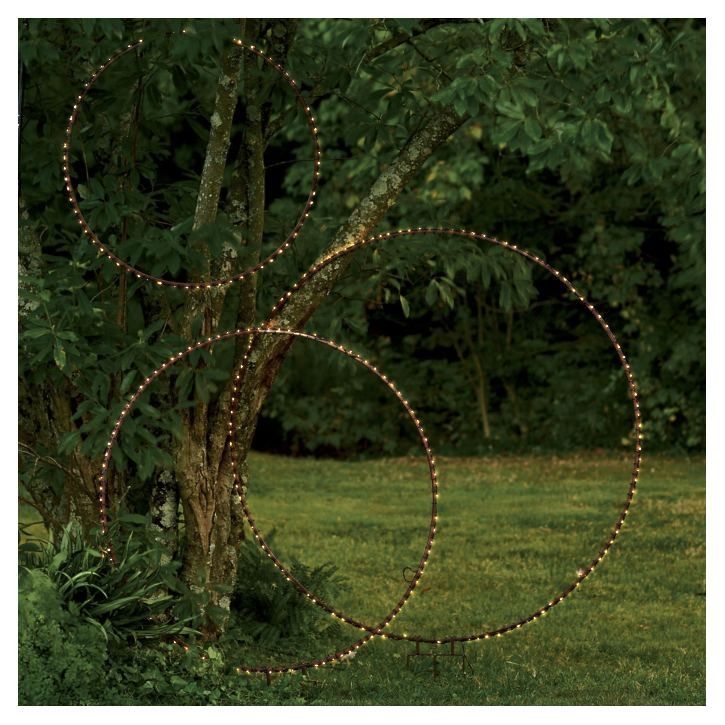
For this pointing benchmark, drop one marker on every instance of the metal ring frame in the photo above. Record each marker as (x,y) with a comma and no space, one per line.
(204,284)
(584,572)
(255,331)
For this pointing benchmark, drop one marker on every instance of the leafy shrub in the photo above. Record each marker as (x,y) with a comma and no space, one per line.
(60,658)
(270,612)
(130,600)
(63,660)
(93,634)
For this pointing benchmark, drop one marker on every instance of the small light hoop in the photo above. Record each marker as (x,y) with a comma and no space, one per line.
(199,284)
(585,571)
(339,655)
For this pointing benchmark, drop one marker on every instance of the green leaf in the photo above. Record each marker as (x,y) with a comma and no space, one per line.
(603,95)
(405,306)
(511,110)
(35,332)
(68,441)
(431,294)
(603,137)
(459,104)
(508,131)
(128,378)
(532,129)
(524,96)
(59,355)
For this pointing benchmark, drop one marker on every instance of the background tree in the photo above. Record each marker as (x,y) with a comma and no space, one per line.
(582,140)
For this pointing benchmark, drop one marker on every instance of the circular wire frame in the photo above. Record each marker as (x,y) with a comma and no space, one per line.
(584,572)
(201,284)
(255,331)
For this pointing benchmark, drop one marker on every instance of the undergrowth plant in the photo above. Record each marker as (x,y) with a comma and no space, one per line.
(134,599)
(270,612)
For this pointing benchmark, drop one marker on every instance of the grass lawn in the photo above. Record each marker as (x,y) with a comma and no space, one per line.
(513,532)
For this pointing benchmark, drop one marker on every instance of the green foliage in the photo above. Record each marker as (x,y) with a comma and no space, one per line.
(167,675)
(63,660)
(270,611)
(585,145)
(584,141)
(60,658)
(129,601)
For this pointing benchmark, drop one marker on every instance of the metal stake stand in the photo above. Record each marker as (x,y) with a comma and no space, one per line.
(461,654)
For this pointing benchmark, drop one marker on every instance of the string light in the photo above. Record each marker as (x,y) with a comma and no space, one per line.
(349,248)
(252,332)
(203,284)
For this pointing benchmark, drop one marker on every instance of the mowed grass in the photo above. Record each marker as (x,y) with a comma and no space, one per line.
(513,532)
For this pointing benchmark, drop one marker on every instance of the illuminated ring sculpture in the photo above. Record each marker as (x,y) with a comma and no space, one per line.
(585,571)
(103,247)
(371,631)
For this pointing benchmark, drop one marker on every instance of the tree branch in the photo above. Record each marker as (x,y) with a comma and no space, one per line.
(402,37)
(271,349)
(212,177)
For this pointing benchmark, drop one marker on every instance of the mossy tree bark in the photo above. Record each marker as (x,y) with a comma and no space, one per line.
(212,516)
(205,494)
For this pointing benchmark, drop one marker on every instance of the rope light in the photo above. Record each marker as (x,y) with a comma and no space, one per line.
(371,631)
(200,284)
(584,572)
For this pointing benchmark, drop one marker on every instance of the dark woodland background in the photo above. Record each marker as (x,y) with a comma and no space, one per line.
(607,186)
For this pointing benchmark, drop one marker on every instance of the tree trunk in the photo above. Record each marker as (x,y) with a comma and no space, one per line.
(482,398)
(205,494)
(212,517)
(164,510)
